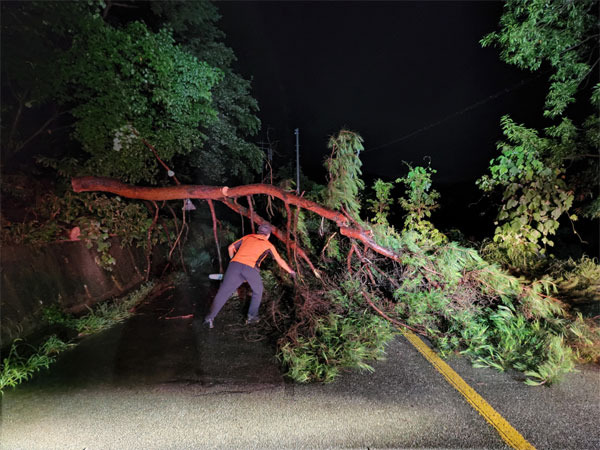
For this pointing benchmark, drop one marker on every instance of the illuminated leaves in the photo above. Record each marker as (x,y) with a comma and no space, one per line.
(562,34)
(134,78)
(419,202)
(344,166)
(535,194)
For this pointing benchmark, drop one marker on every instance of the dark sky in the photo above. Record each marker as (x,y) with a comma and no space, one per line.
(390,71)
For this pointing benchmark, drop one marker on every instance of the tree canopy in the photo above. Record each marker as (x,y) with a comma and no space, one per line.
(545,175)
(561,35)
(118,82)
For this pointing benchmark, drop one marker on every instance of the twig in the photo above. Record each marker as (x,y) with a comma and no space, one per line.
(216,235)
(149,249)
(153,150)
(349,258)
(44,125)
(188,316)
(179,234)
(369,274)
(295,232)
(287,229)
(182,242)
(249,199)
(388,318)
(327,243)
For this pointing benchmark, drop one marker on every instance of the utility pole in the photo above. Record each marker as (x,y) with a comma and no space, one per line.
(297,133)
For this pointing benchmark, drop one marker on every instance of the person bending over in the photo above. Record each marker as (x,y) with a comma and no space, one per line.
(247,254)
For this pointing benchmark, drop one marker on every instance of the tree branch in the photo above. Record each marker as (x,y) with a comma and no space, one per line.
(216,235)
(40,130)
(388,318)
(222,193)
(88,184)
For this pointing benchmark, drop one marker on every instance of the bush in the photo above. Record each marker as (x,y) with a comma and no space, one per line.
(340,340)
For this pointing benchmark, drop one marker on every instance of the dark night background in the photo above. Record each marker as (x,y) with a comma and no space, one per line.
(410,77)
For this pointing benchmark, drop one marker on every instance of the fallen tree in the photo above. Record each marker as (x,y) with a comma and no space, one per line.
(377,276)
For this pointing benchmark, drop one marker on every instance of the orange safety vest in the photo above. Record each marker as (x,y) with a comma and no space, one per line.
(252,249)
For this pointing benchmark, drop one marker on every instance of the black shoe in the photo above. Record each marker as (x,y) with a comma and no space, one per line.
(208,323)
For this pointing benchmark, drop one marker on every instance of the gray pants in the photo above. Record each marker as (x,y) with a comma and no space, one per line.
(235,275)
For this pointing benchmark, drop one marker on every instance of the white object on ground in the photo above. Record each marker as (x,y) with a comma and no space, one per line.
(216,276)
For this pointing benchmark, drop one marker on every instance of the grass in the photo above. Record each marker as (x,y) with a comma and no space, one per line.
(16,368)
(25,360)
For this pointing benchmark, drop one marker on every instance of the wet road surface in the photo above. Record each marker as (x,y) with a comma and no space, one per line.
(161,381)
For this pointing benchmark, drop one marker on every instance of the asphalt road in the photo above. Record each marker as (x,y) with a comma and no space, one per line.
(159,383)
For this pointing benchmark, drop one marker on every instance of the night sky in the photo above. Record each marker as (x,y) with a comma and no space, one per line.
(410,77)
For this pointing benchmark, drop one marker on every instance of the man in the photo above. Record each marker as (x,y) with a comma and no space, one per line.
(249,253)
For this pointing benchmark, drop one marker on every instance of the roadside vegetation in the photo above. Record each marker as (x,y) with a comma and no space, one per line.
(17,368)
(25,360)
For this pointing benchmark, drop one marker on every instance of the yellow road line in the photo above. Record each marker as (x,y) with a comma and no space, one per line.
(511,436)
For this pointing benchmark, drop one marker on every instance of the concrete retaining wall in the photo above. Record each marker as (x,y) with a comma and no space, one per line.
(65,273)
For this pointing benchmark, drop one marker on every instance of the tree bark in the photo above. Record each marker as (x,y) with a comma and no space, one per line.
(223,194)
(87,184)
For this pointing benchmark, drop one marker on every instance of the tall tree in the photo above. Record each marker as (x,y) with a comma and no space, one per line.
(560,34)
(119,82)
(227,150)
(543,173)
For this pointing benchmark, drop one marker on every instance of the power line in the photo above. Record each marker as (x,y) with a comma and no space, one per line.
(457,113)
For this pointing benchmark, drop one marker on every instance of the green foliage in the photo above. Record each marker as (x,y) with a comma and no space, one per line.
(462,302)
(110,80)
(584,338)
(100,318)
(173,87)
(493,318)
(339,342)
(305,225)
(98,217)
(343,167)
(559,361)
(333,249)
(30,49)
(227,151)
(577,280)
(534,197)
(54,315)
(16,369)
(561,34)
(467,305)
(504,338)
(149,85)
(381,205)
(419,202)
